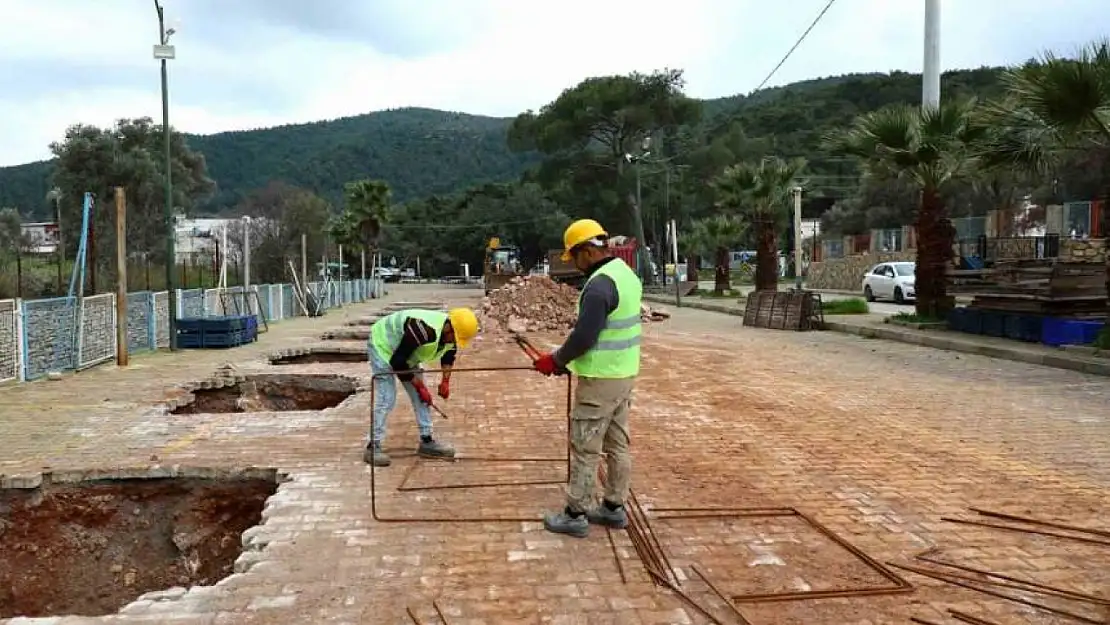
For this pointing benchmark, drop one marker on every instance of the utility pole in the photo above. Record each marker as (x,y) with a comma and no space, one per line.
(930,73)
(164,52)
(55,194)
(638,212)
(246,255)
(797,238)
(121,278)
(304,261)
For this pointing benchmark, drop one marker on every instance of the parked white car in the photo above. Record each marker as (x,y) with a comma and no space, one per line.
(892,281)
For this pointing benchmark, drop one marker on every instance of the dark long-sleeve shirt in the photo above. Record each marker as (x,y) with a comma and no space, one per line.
(598,300)
(416,333)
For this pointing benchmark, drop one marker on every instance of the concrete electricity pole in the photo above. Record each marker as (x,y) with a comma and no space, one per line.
(930,73)
(164,52)
(797,192)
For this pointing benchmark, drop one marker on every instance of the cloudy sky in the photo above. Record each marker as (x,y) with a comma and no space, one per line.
(256,63)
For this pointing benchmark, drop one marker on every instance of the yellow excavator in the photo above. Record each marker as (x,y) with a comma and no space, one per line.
(501,265)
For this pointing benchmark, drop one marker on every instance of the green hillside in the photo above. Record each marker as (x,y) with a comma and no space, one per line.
(421,152)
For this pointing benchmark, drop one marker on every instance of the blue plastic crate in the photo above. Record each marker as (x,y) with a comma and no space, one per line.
(1062,331)
(957,319)
(1024,328)
(972,321)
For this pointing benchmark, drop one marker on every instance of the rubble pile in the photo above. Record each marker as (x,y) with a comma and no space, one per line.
(539,304)
(530,304)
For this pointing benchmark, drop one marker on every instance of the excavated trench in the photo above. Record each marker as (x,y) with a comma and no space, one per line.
(271,393)
(317,356)
(90,548)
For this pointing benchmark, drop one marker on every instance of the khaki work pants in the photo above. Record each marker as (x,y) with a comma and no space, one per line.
(599,423)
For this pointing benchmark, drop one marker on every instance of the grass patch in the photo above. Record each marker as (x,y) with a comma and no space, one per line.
(708,293)
(850,306)
(1102,341)
(908,317)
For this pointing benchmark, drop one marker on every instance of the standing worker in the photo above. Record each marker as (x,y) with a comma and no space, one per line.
(399,343)
(603,350)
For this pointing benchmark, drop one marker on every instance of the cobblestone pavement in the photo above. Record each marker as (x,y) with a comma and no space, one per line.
(876,441)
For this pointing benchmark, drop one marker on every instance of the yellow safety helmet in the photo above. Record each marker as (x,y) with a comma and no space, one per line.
(465,324)
(578,233)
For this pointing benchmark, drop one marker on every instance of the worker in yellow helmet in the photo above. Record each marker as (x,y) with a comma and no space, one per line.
(603,350)
(399,343)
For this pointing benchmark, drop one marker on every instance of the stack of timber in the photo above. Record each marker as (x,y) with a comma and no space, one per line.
(1035,286)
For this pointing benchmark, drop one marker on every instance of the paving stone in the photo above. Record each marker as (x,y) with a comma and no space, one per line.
(875,440)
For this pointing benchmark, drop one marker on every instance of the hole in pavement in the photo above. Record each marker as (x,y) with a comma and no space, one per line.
(270,393)
(89,548)
(317,355)
(349,333)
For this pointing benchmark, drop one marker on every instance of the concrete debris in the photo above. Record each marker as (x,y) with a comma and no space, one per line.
(539,304)
(529,304)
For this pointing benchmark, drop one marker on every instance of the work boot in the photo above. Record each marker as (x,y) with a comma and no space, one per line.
(430,448)
(566,523)
(616,518)
(375,456)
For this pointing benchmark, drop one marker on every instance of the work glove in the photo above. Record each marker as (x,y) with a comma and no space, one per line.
(444,388)
(546,364)
(422,391)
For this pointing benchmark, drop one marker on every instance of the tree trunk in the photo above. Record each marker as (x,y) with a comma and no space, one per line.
(934,255)
(693,261)
(721,282)
(767,258)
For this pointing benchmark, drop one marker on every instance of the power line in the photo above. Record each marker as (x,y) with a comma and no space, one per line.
(796,44)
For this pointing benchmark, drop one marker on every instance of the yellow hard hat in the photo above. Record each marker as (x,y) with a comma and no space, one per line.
(578,233)
(465,324)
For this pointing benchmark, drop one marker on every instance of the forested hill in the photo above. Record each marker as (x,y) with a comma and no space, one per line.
(421,152)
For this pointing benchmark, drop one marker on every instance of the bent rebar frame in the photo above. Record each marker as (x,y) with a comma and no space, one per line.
(377,516)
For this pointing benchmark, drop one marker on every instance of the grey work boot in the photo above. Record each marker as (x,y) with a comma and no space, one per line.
(566,523)
(603,515)
(430,448)
(375,456)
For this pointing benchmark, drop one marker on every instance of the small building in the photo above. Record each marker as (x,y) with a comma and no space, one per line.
(41,237)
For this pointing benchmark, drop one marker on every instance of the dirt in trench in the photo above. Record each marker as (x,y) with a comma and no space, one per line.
(272,393)
(92,548)
(321,357)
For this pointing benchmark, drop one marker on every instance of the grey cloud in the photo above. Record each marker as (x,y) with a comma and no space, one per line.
(392,27)
(211,87)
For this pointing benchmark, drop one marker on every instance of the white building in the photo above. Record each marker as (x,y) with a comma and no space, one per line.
(196,240)
(42,237)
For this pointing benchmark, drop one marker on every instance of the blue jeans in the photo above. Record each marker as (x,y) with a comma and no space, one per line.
(385,396)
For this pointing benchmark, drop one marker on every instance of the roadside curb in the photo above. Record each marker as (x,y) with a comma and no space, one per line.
(717,308)
(1093,364)
(1061,361)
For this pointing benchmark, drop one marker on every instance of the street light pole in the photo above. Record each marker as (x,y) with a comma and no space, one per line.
(930,70)
(797,237)
(164,52)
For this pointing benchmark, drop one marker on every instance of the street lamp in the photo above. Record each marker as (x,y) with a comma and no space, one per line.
(164,52)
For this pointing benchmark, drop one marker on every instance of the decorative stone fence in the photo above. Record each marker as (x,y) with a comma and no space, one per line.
(1083,251)
(846,274)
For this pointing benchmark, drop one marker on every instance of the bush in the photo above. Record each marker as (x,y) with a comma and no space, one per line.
(850,306)
(907,317)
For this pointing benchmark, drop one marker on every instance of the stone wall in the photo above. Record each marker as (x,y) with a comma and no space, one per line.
(9,340)
(846,274)
(1079,251)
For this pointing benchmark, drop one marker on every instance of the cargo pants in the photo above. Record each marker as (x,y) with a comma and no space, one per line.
(599,423)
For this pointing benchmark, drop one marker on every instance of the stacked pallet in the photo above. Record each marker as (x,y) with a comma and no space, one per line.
(784,310)
(1035,286)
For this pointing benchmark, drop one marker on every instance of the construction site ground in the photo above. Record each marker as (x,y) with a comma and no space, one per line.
(875,440)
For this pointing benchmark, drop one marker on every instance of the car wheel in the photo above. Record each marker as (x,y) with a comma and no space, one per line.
(898,297)
(867,294)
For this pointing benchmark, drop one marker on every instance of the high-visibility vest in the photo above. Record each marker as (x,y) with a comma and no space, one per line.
(386,334)
(617,351)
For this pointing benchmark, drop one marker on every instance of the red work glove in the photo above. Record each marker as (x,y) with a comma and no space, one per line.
(422,391)
(545,364)
(444,388)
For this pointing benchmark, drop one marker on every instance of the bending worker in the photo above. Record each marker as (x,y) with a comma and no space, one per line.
(603,350)
(400,343)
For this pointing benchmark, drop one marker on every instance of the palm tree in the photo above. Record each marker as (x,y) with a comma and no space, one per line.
(716,235)
(760,192)
(1053,105)
(930,146)
(359,226)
